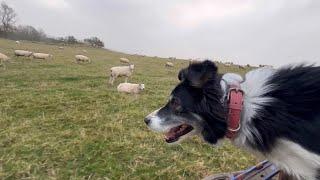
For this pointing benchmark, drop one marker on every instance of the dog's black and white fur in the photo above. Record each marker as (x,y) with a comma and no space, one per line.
(280,119)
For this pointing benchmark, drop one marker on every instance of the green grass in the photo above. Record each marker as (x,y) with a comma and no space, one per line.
(60,120)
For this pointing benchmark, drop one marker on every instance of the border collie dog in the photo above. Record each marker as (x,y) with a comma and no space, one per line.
(279,120)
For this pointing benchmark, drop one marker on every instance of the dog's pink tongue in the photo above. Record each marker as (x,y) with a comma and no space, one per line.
(176,132)
(171,135)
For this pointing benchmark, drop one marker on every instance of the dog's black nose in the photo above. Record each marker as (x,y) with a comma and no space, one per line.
(147,120)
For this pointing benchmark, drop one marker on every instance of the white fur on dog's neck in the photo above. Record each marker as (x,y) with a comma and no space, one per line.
(227,80)
(254,87)
(288,155)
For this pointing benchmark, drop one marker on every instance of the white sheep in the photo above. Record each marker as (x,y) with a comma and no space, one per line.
(41,56)
(61,47)
(124,60)
(22,53)
(119,71)
(85,51)
(130,88)
(169,64)
(3,57)
(3,60)
(18,42)
(82,58)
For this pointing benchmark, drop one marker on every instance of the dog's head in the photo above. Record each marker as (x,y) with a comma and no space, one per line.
(194,106)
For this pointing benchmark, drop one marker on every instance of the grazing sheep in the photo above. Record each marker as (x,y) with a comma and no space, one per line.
(85,51)
(124,60)
(169,64)
(18,42)
(60,47)
(82,58)
(119,71)
(41,56)
(130,88)
(3,57)
(3,60)
(22,53)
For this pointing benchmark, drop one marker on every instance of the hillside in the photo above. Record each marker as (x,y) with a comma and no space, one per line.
(62,120)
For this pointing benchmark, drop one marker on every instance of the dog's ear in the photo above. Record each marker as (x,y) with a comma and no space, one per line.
(199,74)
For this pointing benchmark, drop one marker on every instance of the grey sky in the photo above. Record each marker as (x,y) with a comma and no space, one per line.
(244,31)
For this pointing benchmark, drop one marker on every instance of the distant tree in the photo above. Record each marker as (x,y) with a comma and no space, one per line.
(42,35)
(71,40)
(58,40)
(94,41)
(7,19)
(28,33)
(8,30)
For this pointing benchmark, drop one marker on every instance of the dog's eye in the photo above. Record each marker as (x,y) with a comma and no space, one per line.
(175,105)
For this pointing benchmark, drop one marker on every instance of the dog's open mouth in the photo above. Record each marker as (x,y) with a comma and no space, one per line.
(175,133)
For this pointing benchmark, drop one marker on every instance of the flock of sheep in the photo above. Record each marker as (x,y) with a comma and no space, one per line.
(84,59)
(125,71)
(24,53)
(78,58)
(34,55)
(115,72)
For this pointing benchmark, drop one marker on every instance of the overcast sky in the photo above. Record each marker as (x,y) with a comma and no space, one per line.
(244,31)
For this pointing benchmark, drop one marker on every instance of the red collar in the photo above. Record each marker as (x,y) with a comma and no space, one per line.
(235,103)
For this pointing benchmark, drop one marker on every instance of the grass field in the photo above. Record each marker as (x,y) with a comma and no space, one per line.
(60,120)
